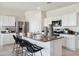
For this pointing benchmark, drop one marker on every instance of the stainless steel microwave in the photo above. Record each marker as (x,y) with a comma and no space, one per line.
(57,23)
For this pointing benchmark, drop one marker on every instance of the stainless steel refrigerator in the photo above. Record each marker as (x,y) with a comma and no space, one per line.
(22,26)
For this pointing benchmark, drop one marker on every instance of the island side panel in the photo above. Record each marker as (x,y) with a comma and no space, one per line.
(56,46)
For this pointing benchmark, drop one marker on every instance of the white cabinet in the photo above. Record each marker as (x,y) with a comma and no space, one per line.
(69,41)
(0,41)
(54,18)
(6,38)
(7,21)
(49,20)
(64,41)
(77,41)
(11,21)
(65,20)
(1,20)
(69,19)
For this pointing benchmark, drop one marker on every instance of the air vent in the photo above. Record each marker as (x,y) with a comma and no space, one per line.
(49,2)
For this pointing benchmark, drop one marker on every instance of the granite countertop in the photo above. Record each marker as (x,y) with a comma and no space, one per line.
(48,38)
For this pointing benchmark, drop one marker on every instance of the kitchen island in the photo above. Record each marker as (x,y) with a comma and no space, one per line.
(52,47)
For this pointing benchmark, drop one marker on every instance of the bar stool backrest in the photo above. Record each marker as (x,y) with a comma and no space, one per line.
(16,39)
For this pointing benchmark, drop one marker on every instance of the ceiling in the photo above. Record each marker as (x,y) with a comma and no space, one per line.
(24,6)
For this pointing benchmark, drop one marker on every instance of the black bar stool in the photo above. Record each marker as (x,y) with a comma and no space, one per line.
(30,48)
(16,45)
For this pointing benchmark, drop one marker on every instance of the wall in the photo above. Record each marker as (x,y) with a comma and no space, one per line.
(65,10)
(35,20)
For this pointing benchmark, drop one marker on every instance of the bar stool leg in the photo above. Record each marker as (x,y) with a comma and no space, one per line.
(22,52)
(33,54)
(41,53)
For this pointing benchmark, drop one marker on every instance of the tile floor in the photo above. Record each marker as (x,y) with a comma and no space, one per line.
(7,51)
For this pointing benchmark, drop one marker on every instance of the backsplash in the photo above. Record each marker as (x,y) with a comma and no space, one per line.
(73,28)
(11,28)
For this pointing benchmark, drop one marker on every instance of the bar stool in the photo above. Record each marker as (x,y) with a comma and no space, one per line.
(16,45)
(30,48)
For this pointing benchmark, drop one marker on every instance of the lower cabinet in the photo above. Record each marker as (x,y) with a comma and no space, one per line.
(70,42)
(6,39)
(64,42)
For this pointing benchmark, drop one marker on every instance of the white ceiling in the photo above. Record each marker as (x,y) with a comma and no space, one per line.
(24,6)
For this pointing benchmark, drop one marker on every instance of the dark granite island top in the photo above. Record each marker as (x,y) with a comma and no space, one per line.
(47,38)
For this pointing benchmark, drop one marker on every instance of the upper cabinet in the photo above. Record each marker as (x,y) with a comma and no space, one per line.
(49,20)
(55,18)
(69,19)
(7,21)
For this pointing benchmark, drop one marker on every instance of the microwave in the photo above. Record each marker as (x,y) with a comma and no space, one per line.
(57,23)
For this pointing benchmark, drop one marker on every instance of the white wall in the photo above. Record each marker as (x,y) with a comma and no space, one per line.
(35,20)
(65,10)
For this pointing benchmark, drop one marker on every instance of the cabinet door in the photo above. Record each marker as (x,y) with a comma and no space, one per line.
(72,19)
(69,19)
(64,41)
(49,20)
(7,21)
(65,20)
(4,21)
(54,18)
(0,20)
(0,41)
(11,21)
(70,43)
(7,39)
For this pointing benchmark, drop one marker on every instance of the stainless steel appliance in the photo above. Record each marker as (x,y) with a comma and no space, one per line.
(50,30)
(45,30)
(57,23)
(22,26)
